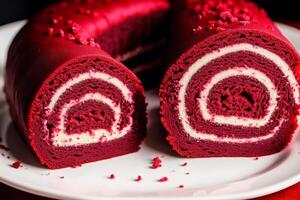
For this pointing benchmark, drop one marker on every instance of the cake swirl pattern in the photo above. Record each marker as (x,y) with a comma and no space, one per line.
(60,138)
(247,71)
(234,85)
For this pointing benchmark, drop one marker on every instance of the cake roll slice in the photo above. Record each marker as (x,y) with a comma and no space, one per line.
(65,84)
(233,87)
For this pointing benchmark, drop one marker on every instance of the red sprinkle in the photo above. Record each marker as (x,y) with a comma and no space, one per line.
(112,176)
(70,37)
(215,15)
(60,33)
(139,178)
(50,31)
(156,163)
(73,29)
(16,165)
(163,179)
(4,147)
(80,41)
(54,21)
(181,186)
(184,164)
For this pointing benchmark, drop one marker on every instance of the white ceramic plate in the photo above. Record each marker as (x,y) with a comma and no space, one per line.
(212,178)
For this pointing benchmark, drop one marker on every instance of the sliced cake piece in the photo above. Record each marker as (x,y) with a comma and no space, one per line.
(67,89)
(234,89)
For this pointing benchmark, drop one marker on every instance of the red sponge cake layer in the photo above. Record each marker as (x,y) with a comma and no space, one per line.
(234,89)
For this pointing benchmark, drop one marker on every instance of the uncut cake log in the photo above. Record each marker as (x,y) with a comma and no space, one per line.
(66,87)
(233,87)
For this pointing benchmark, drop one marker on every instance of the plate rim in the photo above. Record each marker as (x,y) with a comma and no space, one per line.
(249,195)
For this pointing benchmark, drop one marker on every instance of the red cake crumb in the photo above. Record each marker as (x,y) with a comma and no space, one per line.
(217,15)
(181,186)
(61,177)
(2,146)
(60,33)
(17,164)
(139,178)
(163,179)
(256,158)
(187,173)
(184,164)
(156,163)
(112,176)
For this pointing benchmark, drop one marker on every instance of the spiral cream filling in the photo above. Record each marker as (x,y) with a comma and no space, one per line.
(246,71)
(59,135)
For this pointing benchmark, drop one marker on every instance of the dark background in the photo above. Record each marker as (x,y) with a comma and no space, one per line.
(12,10)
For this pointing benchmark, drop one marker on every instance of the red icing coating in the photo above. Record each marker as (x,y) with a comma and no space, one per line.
(63,41)
(201,27)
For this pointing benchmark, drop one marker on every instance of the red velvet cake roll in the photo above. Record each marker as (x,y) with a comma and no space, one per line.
(234,89)
(68,92)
